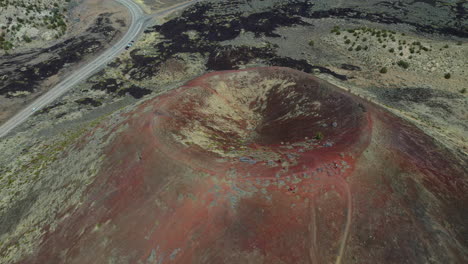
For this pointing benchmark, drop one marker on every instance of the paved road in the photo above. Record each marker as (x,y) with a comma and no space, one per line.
(138,20)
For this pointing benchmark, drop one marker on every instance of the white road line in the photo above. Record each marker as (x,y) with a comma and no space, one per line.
(137,23)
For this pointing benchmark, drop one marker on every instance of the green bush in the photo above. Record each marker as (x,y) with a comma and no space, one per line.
(403,64)
(336,29)
(447,75)
(319,136)
(27,39)
(383,70)
(311,43)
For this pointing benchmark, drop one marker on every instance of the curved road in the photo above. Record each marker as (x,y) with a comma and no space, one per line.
(138,20)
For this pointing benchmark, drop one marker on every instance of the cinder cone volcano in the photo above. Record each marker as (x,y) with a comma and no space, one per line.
(266,165)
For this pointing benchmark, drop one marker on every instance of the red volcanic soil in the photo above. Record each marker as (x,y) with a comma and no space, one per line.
(266,165)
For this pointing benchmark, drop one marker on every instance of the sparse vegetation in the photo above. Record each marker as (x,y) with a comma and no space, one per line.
(387,38)
(41,15)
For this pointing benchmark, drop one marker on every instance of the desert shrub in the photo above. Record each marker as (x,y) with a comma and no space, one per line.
(447,75)
(27,39)
(403,64)
(319,136)
(336,29)
(383,70)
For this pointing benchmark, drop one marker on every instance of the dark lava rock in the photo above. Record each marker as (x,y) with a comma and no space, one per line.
(350,67)
(135,91)
(415,95)
(88,101)
(108,85)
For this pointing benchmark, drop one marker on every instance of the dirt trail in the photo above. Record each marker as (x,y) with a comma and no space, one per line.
(349,213)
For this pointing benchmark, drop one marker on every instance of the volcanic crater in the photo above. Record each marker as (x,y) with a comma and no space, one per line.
(255,111)
(265,165)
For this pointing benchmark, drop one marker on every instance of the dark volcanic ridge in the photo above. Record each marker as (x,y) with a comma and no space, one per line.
(264,165)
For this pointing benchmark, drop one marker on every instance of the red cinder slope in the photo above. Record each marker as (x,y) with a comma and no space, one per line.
(266,165)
